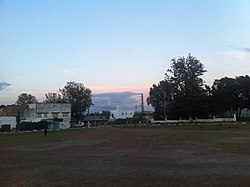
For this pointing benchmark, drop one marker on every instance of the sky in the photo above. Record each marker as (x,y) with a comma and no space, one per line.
(116,45)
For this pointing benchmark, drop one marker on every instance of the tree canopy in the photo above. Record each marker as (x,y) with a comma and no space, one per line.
(183,94)
(24,99)
(74,93)
(78,96)
(231,95)
(54,98)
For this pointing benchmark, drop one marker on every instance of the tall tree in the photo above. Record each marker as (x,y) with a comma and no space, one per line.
(24,99)
(182,93)
(188,85)
(54,98)
(79,97)
(224,94)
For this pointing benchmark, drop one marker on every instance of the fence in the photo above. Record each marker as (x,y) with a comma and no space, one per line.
(214,120)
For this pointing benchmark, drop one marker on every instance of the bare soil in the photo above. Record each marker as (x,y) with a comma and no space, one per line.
(126,157)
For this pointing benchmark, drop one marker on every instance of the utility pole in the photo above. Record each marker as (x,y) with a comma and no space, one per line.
(142,107)
(88,117)
(165,107)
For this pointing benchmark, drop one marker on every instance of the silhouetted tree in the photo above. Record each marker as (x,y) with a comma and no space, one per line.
(243,89)
(54,98)
(182,92)
(160,97)
(24,99)
(231,95)
(78,96)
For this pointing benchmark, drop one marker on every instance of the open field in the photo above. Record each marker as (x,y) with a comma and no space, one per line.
(217,155)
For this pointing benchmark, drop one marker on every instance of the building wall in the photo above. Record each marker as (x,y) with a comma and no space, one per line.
(123,114)
(59,125)
(48,111)
(13,110)
(10,120)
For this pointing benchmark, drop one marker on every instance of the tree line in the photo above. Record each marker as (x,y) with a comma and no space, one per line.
(74,93)
(183,93)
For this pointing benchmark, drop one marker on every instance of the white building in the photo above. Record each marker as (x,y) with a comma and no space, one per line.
(123,112)
(49,111)
(7,123)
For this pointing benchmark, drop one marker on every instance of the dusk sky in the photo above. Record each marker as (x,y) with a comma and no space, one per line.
(116,45)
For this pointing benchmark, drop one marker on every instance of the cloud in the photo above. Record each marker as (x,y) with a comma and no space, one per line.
(237,53)
(4,85)
(242,49)
(111,100)
(247,50)
(240,55)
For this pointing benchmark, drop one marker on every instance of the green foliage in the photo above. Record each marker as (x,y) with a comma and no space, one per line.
(161,96)
(102,115)
(74,93)
(54,98)
(24,99)
(181,93)
(127,121)
(231,94)
(27,126)
(57,119)
(243,90)
(188,87)
(78,96)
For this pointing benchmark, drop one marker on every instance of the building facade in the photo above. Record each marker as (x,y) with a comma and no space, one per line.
(49,111)
(7,123)
(13,110)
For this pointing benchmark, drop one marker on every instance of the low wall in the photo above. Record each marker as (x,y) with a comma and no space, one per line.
(214,120)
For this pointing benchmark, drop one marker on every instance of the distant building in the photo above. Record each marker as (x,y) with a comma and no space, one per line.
(49,112)
(7,123)
(122,112)
(13,110)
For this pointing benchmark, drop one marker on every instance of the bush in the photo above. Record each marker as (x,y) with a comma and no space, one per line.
(27,126)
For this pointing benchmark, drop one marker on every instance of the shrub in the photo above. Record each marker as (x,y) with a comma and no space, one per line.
(27,126)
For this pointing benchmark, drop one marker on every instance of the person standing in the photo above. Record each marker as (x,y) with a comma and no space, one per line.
(45,132)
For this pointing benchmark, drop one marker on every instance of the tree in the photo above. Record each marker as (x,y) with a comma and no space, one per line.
(24,99)
(189,92)
(243,92)
(160,97)
(224,96)
(54,98)
(231,95)
(78,96)
(182,92)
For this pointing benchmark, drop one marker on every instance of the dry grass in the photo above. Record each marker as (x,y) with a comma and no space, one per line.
(178,156)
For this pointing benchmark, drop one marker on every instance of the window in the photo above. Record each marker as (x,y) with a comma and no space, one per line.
(65,114)
(54,115)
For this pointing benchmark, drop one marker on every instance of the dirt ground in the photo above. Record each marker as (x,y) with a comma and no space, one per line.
(126,157)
